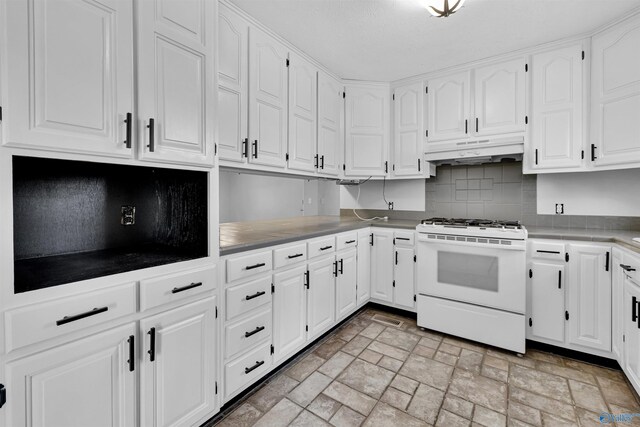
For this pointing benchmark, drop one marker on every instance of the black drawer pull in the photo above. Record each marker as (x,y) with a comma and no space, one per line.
(256,295)
(132,353)
(251,267)
(69,319)
(152,344)
(186,288)
(128,121)
(548,252)
(402,238)
(255,331)
(152,142)
(627,267)
(294,256)
(348,242)
(325,248)
(256,366)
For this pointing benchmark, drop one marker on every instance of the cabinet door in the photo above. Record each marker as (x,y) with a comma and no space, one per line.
(178,368)
(176,51)
(617,305)
(545,300)
(404,275)
(233,82)
(589,296)
(556,134)
(449,103)
(615,96)
(71,75)
(289,312)
(85,383)
(499,98)
(303,87)
(407,134)
(321,296)
(631,310)
(346,301)
(330,124)
(382,265)
(267,100)
(364,266)
(367,131)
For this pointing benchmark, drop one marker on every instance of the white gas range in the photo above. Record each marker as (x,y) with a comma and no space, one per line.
(471,280)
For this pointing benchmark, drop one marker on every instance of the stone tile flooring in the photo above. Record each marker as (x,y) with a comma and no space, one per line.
(367,373)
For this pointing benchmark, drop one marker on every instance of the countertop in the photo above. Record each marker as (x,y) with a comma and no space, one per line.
(245,236)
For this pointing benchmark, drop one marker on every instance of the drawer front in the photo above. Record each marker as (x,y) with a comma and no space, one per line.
(547,250)
(347,240)
(404,238)
(246,369)
(239,267)
(289,255)
(247,333)
(39,322)
(176,287)
(243,298)
(633,266)
(322,246)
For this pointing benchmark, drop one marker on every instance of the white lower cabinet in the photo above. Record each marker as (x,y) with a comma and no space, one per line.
(346,292)
(631,327)
(363,278)
(617,303)
(78,384)
(545,301)
(289,312)
(321,296)
(177,373)
(404,277)
(382,265)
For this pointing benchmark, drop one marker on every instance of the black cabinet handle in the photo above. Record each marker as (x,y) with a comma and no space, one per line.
(547,252)
(396,257)
(325,248)
(402,238)
(255,331)
(627,267)
(306,279)
(466,126)
(371,236)
(255,149)
(606,262)
(294,256)
(322,162)
(256,295)
(186,288)
(536,156)
(386,167)
(251,267)
(349,242)
(152,344)
(152,142)
(245,147)
(634,309)
(73,318)
(418,165)
(335,269)
(315,164)
(128,121)
(593,152)
(559,279)
(3,390)
(476,124)
(341,266)
(132,353)
(256,366)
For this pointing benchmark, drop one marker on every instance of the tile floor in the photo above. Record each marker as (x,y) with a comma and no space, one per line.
(367,373)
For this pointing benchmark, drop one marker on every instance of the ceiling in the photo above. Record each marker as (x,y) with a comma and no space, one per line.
(387,40)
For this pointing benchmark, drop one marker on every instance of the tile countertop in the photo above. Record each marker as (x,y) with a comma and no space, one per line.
(245,236)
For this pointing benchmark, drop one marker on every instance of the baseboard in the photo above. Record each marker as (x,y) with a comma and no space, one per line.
(574,354)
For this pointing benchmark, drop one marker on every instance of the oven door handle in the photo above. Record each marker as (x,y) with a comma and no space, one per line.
(449,243)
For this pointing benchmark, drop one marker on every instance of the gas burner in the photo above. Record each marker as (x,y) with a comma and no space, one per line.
(462,222)
(473,227)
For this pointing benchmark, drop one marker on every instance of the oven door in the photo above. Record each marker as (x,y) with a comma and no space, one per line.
(490,275)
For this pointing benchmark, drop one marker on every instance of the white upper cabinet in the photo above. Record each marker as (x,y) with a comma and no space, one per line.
(233,82)
(499,98)
(267,100)
(408,130)
(448,107)
(556,142)
(367,130)
(303,78)
(330,124)
(615,97)
(71,75)
(176,51)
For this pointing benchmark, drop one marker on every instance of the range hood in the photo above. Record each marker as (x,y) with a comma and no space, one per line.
(477,152)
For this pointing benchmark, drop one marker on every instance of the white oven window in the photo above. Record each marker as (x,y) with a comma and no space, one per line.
(468,270)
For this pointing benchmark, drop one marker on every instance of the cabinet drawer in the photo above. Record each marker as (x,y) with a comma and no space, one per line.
(245,334)
(347,240)
(289,255)
(39,322)
(243,298)
(243,266)
(404,238)
(632,269)
(321,246)
(547,250)
(176,287)
(246,369)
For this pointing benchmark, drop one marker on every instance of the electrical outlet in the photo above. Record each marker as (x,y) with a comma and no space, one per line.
(128,215)
(559,208)
(390,206)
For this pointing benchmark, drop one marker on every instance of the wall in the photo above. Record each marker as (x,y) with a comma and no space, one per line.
(252,197)
(406,195)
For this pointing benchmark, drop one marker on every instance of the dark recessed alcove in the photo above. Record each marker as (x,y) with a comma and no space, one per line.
(67,219)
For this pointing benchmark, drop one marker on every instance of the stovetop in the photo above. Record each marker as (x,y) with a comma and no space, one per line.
(463,222)
(487,228)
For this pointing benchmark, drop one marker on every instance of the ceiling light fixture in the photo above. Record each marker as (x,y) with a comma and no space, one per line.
(441,9)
